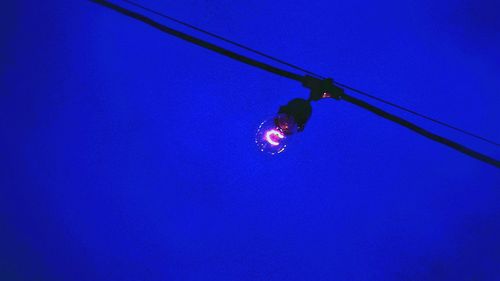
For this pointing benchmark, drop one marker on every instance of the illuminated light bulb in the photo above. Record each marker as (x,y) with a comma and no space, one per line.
(273,134)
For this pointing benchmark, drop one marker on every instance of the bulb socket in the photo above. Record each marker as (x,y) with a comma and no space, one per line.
(300,110)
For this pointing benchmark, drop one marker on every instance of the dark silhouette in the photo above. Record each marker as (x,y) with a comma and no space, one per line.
(315,84)
(363,93)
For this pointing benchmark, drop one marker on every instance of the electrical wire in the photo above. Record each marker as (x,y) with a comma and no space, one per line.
(363,93)
(199,42)
(418,114)
(275,70)
(422,131)
(220,38)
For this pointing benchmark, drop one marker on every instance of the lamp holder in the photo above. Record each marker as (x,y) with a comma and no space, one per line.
(299,109)
(322,88)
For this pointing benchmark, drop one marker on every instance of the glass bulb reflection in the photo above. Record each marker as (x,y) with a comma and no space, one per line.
(273,134)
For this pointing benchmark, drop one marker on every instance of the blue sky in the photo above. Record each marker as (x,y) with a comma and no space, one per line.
(129,155)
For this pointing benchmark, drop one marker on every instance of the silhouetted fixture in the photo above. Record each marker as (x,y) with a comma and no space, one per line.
(274,133)
(291,118)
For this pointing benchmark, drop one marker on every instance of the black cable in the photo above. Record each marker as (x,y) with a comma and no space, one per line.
(198,41)
(421,131)
(418,114)
(312,73)
(220,37)
(299,78)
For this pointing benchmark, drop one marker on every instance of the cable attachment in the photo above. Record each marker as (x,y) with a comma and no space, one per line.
(321,88)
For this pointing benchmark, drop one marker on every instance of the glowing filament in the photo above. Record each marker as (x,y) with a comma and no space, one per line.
(272,136)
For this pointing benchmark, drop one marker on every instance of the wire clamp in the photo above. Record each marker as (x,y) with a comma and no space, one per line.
(322,88)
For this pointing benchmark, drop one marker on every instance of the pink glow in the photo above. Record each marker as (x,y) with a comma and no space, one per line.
(272,135)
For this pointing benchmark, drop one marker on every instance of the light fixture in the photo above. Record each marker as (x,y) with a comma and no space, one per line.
(274,133)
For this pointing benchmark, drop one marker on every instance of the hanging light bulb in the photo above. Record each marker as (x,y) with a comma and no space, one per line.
(274,133)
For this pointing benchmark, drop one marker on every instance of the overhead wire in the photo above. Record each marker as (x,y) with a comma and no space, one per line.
(221,38)
(275,70)
(421,131)
(199,42)
(418,114)
(296,67)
